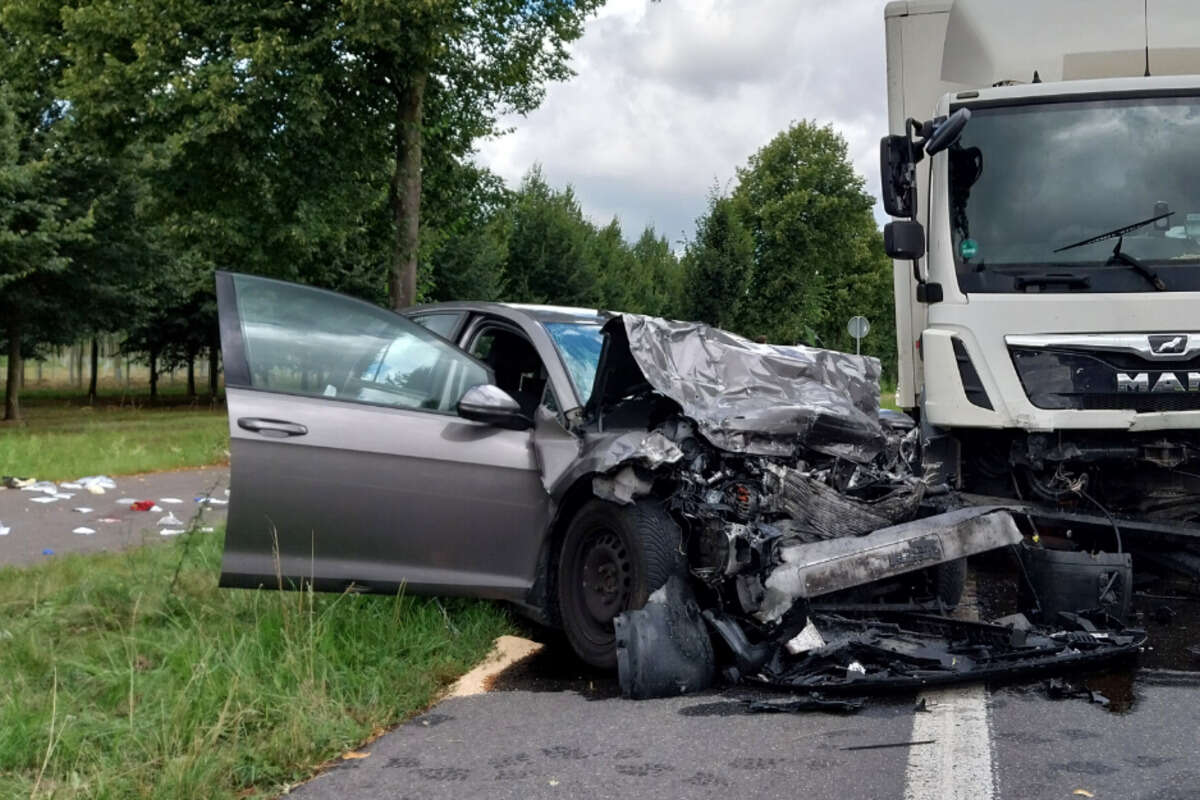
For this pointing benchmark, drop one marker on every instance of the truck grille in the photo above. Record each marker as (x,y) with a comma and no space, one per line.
(1088,381)
(1142,403)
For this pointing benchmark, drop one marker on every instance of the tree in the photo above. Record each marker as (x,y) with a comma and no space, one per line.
(719,265)
(813,234)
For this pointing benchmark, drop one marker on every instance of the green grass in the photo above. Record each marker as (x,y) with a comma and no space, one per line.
(116,684)
(63,437)
(887,395)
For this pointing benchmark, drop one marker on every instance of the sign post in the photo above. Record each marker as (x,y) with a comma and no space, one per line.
(858,327)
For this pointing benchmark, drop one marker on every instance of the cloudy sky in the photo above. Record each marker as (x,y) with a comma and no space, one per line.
(671,97)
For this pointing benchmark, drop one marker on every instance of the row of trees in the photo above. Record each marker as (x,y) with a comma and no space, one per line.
(145,144)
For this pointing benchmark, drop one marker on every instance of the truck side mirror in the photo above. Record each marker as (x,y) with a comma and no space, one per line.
(904,240)
(896,176)
(947,133)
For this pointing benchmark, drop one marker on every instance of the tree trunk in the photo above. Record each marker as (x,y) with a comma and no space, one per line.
(79,366)
(12,384)
(95,369)
(212,372)
(405,194)
(191,374)
(153,373)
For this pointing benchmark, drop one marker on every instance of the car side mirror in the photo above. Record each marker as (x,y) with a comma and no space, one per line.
(947,132)
(492,405)
(904,240)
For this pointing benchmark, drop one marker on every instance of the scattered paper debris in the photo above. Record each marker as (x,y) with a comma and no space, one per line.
(171,500)
(171,531)
(63,495)
(71,485)
(211,501)
(83,509)
(108,520)
(126,501)
(44,499)
(4,530)
(170,519)
(84,531)
(102,481)
(45,487)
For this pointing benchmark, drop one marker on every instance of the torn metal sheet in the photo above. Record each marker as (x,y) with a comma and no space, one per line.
(746,397)
(813,569)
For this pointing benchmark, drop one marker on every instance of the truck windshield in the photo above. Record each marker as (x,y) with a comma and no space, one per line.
(1026,181)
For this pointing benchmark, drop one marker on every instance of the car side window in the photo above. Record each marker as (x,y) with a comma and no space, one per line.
(441,324)
(306,341)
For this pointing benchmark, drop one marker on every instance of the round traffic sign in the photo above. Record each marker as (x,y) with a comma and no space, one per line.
(858,327)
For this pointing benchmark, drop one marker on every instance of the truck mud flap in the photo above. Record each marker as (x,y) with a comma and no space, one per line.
(813,569)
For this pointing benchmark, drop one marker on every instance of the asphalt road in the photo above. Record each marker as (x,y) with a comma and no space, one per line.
(37,527)
(545,730)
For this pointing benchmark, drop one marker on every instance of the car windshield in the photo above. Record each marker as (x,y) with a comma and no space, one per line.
(1027,181)
(579,345)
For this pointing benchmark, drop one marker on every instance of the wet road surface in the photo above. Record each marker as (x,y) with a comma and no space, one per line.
(549,728)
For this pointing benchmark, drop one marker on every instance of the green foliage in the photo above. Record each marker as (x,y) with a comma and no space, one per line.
(116,681)
(719,264)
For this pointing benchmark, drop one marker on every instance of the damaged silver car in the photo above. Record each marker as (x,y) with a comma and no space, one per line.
(565,460)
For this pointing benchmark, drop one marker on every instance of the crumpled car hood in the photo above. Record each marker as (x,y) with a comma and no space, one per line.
(746,397)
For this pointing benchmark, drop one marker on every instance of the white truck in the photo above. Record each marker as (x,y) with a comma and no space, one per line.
(1043,170)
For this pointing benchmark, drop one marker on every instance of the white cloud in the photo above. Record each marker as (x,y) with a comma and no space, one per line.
(671,97)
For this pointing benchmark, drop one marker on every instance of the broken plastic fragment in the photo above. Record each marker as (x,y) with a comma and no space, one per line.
(84,531)
(808,639)
(171,531)
(45,487)
(94,489)
(142,505)
(854,666)
(170,519)
(70,486)
(663,649)
(82,510)
(171,500)
(108,520)
(43,499)
(4,530)
(102,481)
(126,501)
(63,495)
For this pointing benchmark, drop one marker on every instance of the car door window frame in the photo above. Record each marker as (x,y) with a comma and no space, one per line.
(237,366)
(450,335)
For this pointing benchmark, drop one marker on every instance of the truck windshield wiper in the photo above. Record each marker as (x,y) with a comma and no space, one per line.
(1116,232)
(1138,266)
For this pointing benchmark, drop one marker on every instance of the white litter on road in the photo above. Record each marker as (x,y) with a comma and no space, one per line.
(64,495)
(169,500)
(170,519)
(94,489)
(108,520)
(211,501)
(171,531)
(126,501)
(45,487)
(84,531)
(101,481)
(44,499)
(83,509)
(70,485)
(4,531)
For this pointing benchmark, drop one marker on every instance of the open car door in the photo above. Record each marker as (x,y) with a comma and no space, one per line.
(350,466)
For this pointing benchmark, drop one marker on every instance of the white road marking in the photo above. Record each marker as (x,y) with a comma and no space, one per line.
(958,765)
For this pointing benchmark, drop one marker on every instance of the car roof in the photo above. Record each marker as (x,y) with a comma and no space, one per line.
(540,313)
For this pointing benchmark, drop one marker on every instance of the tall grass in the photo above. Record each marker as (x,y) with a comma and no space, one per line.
(116,682)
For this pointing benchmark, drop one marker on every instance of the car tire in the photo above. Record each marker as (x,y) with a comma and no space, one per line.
(612,558)
(948,581)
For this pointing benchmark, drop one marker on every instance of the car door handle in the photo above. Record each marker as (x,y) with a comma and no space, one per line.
(277,428)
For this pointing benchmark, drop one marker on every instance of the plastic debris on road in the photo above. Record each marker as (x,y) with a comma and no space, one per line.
(100,481)
(170,531)
(211,501)
(83,509)
(108,520)
(47,552)
(84,531)
(170,519)
(171,500)
(142,505)
(4,529)
(12,482)
(126,501)
(45,487)
(45,499)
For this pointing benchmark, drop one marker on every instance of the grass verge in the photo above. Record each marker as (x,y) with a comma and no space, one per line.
(116,683)
(63,437)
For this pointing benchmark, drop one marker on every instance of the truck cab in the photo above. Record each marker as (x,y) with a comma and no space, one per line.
(1048,324)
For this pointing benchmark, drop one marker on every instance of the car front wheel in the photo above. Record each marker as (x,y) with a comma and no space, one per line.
(612,558)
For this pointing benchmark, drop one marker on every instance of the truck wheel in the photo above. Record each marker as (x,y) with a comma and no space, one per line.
(612,558)
(948,580)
